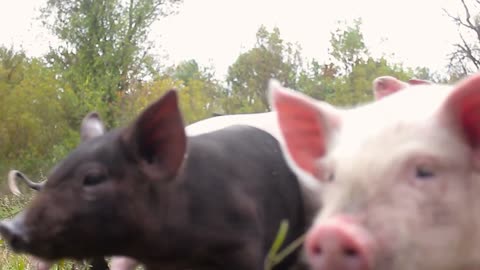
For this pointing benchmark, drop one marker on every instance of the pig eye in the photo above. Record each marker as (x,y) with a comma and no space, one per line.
(94,179)
(331,177)
(424,173)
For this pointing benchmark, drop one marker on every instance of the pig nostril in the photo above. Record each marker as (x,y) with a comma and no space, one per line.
(317,250)
(14,241)
(5,232)
(350,252)
(339,243)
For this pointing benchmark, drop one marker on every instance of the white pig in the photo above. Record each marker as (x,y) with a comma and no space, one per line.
(400,177)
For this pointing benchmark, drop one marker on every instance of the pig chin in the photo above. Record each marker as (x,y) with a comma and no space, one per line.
(48,249)
(394,251)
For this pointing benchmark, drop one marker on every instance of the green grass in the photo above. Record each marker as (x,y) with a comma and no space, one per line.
(275,255)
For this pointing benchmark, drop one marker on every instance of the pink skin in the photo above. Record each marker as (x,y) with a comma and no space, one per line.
(117,263)
(40,264)
(399,177)
(418,81)
(122,263)
(386,85)
(339,244)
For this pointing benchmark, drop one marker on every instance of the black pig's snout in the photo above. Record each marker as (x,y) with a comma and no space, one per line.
(13,232)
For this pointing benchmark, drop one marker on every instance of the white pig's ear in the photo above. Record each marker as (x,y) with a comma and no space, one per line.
(91,127)
(463,108)
(386,85)
(414,81)
(306,127)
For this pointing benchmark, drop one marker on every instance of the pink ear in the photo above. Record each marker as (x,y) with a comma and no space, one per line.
(464,103)
(92,126)
(303,127)
(418,81)
(387,85)
(158,137)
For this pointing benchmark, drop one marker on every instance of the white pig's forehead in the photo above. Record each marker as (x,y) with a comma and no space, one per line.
(405,117)
(413,104)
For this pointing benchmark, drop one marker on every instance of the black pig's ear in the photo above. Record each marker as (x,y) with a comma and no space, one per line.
(157,138)
(92,126)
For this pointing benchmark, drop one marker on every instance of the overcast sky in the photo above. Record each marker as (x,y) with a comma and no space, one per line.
(217,31)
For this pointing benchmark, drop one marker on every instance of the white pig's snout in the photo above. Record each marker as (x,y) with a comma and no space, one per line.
(339,244)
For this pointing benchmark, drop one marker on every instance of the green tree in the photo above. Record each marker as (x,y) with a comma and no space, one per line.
(200,95)
(318,80)
(465,57)
(331,81)
(34,131)
(358,83)
(347,46)
(12,65)
(248,77)
(347,78)
(103,46)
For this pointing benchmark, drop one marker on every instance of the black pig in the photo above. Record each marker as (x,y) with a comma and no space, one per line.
(215,201)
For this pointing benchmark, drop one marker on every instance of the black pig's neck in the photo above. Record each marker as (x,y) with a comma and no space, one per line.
(168,235)
(178,241)
(200,219)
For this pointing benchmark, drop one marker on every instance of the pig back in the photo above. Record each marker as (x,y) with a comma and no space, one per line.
(250,189)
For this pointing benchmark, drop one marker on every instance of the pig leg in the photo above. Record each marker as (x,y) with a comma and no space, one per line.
(122,263)
(96,264)
(39,264)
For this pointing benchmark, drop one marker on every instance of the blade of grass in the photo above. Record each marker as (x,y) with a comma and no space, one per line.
(289,249)
(277,243)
